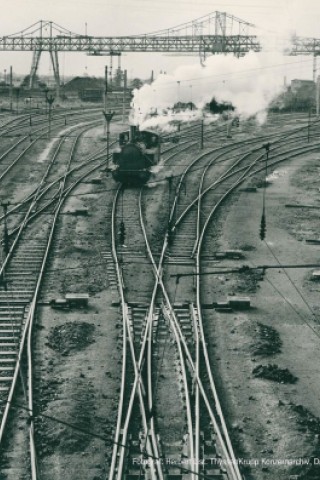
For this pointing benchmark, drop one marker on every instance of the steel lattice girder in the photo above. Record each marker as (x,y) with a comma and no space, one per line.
(305,46)
(92,45)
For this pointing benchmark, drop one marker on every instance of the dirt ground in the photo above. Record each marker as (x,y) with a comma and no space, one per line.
(275,422)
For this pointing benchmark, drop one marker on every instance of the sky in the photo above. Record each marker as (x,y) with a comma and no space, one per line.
(275,18)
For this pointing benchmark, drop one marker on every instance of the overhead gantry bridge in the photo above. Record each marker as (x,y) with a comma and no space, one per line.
(216,33)
(209,34)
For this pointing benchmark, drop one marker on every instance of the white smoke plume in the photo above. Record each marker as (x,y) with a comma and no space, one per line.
(249,83)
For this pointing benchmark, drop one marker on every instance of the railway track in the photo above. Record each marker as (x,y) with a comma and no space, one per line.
(22,274)
(204,425)
(170,421)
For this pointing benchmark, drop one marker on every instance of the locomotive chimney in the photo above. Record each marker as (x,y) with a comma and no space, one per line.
(133,132)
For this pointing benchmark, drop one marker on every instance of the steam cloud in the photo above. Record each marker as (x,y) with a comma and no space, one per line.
(249,83)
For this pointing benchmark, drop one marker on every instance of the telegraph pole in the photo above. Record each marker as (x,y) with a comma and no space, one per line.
(202,134)
(317,95)
(263,224)
(30,105)
(170,232)
(108,117)
(11,89)
(105,87)
(124,95)
(6,243)
(18,94)
(49,99)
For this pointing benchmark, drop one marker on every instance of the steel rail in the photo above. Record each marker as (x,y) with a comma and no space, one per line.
(90,159)
(148,328)
(27,323)
(300,149)
(198,272)
(195,455)
(28,215)
(182,362)
(236,472)
(9,133)
(32,310)
(138,379)
(203,341)
(170,314)
(31,316)
(233,167)
(197,393)
(296,150)
(32,143)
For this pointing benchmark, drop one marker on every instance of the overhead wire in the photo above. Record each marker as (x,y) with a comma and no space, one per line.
(103,438)
(293,307)
(291,281)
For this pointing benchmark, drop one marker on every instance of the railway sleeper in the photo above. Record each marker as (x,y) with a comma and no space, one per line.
(11,348)
(18,274)
(14,295)
(10,331)
(15,291)
(5,306)
(25,262)
(6,379)
(31,251)
(6,338)
(183,317)
(10,323)
(3,388)
(20,285)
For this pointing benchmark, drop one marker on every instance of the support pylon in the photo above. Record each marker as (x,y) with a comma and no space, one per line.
(55,67)
(314,68)
(56,73)
(318,95)
(54,62)
(34,67)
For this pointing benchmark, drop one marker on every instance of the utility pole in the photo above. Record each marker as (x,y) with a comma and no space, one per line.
(124,95)
(314,69)
(108,117)
(317,95)
(18,94)
(309,121)
(6,243)
(201,134)
(178,92)
(229,125)
(105,87)
(11,89)
(30,105)
(170,232)
(263,223)
(49,99)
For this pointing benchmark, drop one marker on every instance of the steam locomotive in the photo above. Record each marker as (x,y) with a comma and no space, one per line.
(139,151)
